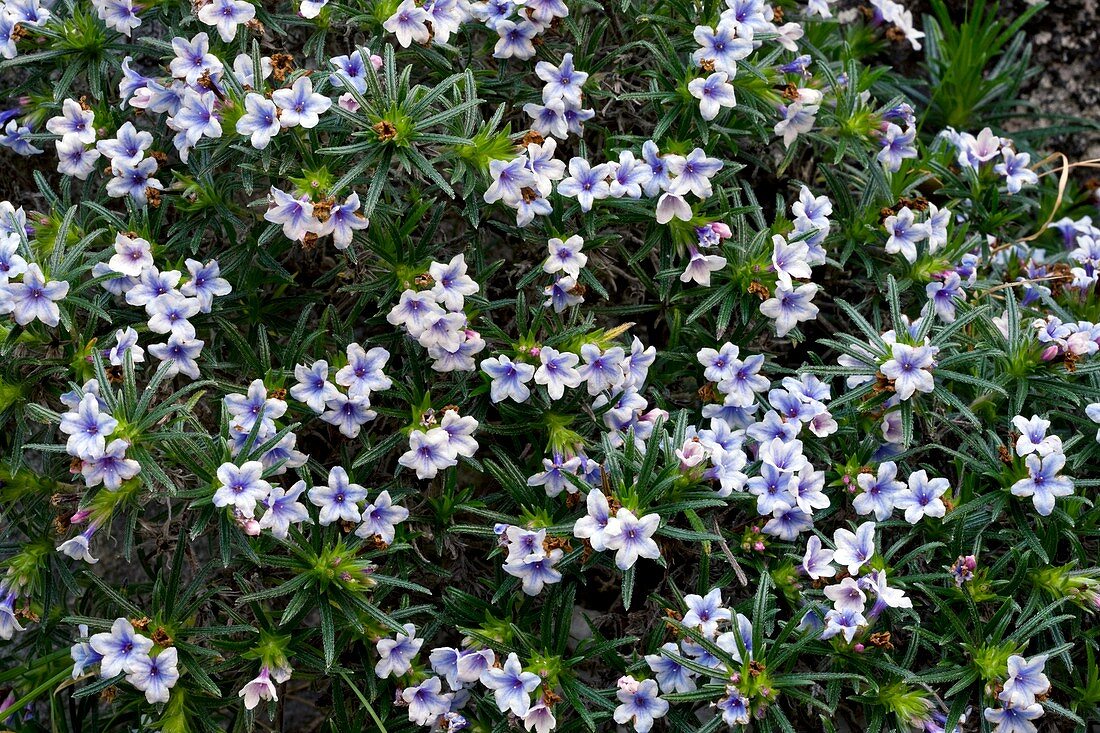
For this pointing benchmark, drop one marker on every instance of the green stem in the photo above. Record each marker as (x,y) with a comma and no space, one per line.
(366,703)
(29,697)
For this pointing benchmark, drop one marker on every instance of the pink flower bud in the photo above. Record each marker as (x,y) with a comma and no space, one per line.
(1050,352)
(721,229)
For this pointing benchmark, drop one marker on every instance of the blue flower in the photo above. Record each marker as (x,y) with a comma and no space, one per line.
(425,702)
(910,368)
(395,655)
(705,612)
(241,487)
(854,549)
(562,81)
(313,387)
(155,676)
(817,562)
(1026,680)
(602,370)
(633,538)
(111,468)
(299,105)
(922,498)
(723,47)
(260,120)
(639,702)
(348,413)
(284,509)
(35,298)
(713,93)
(511,686)
(429,453)
(789,306)
(226,15)
(897,145)
(1043,484)
(557,371)
(1015,170)
(339,499)
(879,493)
(734,707)
(904,234)
(509,378)
(586,183)
(87,428)
(672,677)
(1014,718)
(380,518)
(121,649)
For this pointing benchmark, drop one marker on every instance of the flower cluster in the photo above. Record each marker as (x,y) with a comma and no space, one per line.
(555,366)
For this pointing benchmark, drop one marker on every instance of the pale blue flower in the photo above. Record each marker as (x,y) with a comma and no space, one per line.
(511,686)
(790,305)
(193,59)
(226,15)
(380,518)
(396,655)
(429,453)
(922,498)
(339,499)
(35,298)
(242,487)
(284,509)
(313,387)
(515,39)
(639,702)
(425,702)
(111,468)
(509,378)
(180,354)
(121,649)
(87,428)
(557,371)
(854,549)
(1015,170)
(693,173)
(705,612)
(74,121)
(1014,718)
(586,183)
(133,180)
(879,492)
(633,538)
(260,120)
(904,233)
(602,370)
(672,677)
(343,221)
(155,676)
(562,81)
(409,23)
(897,145)
(713,93)
(817,562)
(724,46)
(910,368)
(788,522)
(300,105)
(205,283)
(1025,681)
(1043,484)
